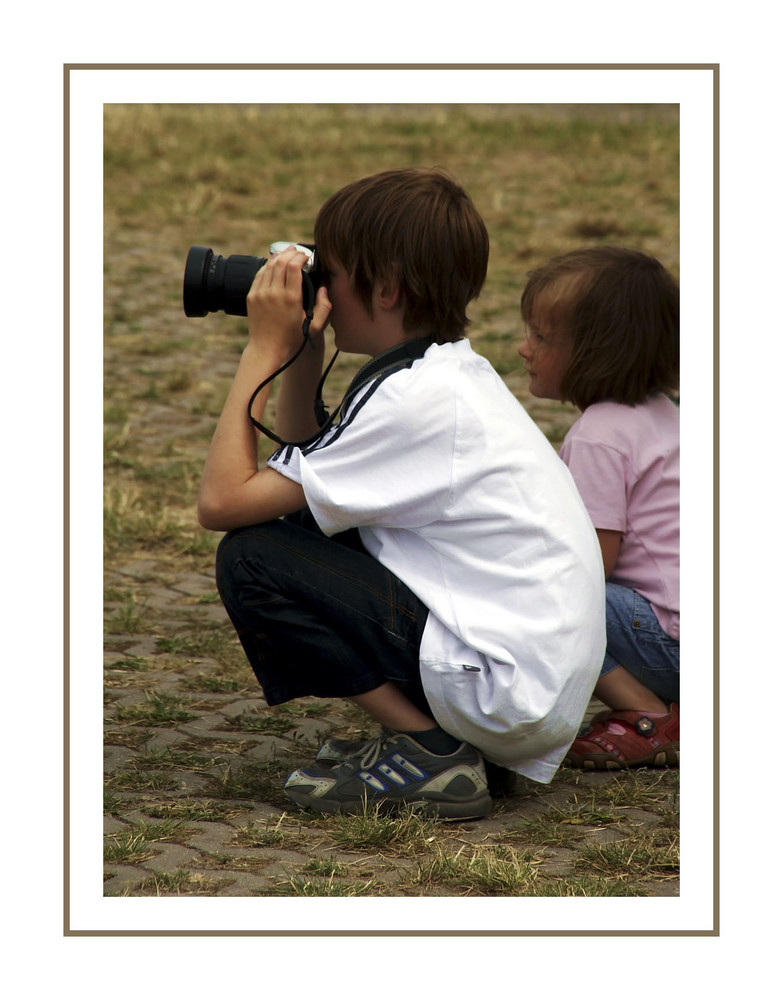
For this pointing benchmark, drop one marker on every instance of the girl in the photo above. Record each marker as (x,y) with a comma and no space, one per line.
(603,333)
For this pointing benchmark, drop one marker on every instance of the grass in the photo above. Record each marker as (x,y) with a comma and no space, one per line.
(406,833)
(236,178)
(158,709)
(315,885)
(649,856)
(179,883)
(494,871)
(137,844)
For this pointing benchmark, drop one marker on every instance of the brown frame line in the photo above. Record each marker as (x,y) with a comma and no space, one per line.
(68,68)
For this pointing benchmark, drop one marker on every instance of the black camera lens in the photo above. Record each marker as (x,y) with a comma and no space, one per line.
(217,284)
(220,284)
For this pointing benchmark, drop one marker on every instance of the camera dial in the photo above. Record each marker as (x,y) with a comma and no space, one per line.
(308,251)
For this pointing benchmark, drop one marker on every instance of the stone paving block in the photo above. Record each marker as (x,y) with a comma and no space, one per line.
(195,585)
(121,878)
(259,816)
(189,783)
(214,614)
(163,738)
(141,646)
(116,758)
(666,889)
(211,727)
(163,597)
(604,835)
(642,817)
(245,884)
(140,569)
(169,857)
(267,749)
(111,824)
(112,656)
(557,860)
(213,837)
(244,706)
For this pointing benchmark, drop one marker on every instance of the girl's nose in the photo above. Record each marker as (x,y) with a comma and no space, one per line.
(524,350)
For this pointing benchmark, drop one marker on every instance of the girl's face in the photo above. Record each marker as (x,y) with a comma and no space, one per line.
(546,353)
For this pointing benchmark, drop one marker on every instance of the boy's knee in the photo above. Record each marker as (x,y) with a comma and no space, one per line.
(225,564)
(247,556)
(230,559)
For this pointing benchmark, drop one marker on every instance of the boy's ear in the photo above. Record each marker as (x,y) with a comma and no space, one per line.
(387,290)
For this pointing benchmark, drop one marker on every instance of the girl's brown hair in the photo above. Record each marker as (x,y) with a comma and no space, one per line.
(419,227)
(621,310)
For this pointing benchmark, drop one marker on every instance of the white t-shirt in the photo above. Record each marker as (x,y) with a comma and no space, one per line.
(457,492)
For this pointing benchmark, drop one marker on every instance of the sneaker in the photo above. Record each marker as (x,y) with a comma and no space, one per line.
(336,751)
(500,781)
(394,770)
(617,740)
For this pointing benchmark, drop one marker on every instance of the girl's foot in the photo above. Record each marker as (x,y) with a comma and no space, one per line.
(628,739)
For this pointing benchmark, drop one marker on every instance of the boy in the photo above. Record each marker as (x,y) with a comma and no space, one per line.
(439,568)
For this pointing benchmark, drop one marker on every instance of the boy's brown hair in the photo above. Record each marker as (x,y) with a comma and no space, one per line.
(621,310)
(418,226)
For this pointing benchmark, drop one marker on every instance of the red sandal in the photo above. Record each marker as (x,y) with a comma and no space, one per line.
(628,739)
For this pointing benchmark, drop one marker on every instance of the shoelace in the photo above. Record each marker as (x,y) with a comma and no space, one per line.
(372,750)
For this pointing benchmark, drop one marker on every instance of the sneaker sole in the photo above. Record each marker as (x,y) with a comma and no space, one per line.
(476,808)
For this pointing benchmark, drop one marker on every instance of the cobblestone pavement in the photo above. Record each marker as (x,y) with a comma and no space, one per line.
(193,784)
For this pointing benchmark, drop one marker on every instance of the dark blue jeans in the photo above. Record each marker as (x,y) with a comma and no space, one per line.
(316,615)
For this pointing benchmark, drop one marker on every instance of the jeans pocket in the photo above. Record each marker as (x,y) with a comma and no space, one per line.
(644,621)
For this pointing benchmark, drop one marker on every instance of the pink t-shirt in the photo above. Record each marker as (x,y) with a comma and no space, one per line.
(625,461)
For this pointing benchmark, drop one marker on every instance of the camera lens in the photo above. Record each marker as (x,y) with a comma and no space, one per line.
(213,283)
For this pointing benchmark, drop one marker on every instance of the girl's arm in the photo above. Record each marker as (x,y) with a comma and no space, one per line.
(234,491)
(610,548)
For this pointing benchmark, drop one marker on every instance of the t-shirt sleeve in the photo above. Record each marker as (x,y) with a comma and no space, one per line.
(601,476)
(387,463)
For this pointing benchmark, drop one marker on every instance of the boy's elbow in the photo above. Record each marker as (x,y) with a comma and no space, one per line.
(211,512)
(223,508)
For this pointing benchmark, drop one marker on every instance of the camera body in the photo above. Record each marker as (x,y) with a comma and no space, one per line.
(220,284)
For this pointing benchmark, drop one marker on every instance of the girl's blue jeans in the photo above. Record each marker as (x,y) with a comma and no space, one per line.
(635,640)
(319,616)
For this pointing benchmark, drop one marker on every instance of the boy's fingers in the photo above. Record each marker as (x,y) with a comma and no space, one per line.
(289,265)
(279,266)
(323,308)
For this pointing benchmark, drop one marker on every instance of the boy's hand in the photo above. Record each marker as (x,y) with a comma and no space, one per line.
(274,304)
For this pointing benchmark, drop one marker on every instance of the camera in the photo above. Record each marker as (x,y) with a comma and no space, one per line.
(220,284)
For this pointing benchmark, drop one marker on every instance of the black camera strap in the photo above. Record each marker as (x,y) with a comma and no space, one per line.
(394,358)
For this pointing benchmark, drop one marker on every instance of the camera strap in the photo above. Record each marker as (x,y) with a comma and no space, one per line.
(394,358)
